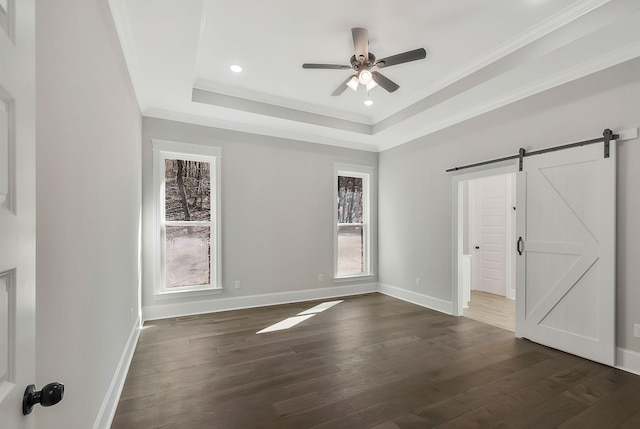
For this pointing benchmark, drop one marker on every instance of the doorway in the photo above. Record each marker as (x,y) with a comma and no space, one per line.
(565,263)
(486,237)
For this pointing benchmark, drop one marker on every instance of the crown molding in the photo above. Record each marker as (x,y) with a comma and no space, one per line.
(245,127)
(274,100)
(276,111)
(123,29)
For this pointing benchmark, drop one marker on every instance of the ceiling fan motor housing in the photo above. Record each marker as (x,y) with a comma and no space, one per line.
(357,64)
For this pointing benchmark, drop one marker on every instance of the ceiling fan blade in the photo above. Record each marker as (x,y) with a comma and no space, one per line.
(361,43)
(340,89)
(405,57)
(384,82)
(325,66)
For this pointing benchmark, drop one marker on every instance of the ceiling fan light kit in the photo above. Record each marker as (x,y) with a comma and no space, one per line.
(363,61)
(352,83)
(371,84)
(364,77)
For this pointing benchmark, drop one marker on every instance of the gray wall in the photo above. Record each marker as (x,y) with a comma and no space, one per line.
(277,212)
(277,199)
(415,193)
(88,206)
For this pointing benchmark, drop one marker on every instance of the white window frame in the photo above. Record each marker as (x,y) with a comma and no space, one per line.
(366,174)
(162,150)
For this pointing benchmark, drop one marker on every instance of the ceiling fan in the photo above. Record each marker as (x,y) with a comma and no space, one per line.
(364,61)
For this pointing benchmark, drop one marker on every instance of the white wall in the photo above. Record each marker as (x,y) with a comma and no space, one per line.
(277,219)
(415,193)
(88,207)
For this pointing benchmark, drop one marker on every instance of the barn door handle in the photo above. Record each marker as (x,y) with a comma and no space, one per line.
(519,245)
(50,395)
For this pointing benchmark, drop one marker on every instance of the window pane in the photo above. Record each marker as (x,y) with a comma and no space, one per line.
(350,250)
(188,259)
(187,190)
(349,199)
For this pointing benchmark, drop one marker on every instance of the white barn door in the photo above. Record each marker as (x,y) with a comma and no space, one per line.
(566,272)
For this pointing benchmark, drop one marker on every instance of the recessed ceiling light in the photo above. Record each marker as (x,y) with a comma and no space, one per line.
(236,68)
(368,102)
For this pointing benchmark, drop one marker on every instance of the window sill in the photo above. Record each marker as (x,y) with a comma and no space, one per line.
(353,278)
(169,294)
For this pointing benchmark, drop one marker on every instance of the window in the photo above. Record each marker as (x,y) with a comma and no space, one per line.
(352,232)
(186,179)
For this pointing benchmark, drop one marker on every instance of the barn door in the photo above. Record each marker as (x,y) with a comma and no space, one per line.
(566,269)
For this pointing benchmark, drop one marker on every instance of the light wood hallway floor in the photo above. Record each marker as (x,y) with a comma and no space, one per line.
(493,309)
(371,361)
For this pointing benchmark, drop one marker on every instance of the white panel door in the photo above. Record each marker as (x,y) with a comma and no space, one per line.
(490,235)
(17,209)
(566,273)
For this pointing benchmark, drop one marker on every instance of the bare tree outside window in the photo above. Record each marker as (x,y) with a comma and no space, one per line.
(187,190)
(187,213)
(349,199)
(350,226)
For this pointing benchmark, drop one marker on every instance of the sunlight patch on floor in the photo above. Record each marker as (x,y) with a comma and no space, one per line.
(320,307)
(301,317)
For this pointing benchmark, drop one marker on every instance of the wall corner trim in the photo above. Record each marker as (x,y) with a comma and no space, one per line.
(628,360)
(417,298)
(112,397)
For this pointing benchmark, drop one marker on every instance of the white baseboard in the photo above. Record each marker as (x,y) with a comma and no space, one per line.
(628,360)
(236,303)
(417,298)
(110,402)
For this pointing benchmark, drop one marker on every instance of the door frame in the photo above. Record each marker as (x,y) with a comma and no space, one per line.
(496,169)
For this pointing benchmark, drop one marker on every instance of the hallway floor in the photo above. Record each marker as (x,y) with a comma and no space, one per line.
(493,309)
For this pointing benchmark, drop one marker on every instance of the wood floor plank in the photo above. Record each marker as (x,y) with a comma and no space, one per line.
(548,414)
(371,361)
(611,411)
(632,423)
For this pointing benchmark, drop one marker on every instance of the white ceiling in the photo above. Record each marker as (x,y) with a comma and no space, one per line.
(481,55)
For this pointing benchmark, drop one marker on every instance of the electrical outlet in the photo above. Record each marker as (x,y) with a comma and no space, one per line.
(417,281)
(320,277)
(238,284)
(636,330)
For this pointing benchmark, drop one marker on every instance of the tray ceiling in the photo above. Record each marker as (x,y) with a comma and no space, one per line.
(480,56)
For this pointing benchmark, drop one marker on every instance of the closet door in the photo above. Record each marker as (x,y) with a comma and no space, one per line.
(490,258)
(566,251)
(17,210)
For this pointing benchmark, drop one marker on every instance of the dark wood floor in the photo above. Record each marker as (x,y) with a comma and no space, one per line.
(369,362)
